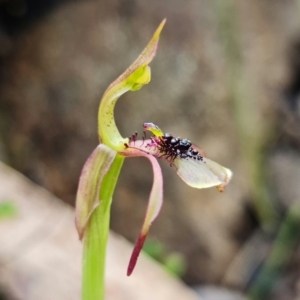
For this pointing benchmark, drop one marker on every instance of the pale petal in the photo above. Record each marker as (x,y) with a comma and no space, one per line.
(203,173)
(154,204)
(90,180)
(198,173)
(137,75)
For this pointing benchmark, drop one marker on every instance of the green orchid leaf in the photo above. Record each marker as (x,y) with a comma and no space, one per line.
(137,75)
(154,204)
(89,186)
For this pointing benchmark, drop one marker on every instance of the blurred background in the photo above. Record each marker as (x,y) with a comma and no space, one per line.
(226,76)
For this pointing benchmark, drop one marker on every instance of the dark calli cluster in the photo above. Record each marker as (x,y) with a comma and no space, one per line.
(171,147)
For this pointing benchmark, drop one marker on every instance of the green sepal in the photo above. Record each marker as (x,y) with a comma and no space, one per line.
(134,78)
(87,199)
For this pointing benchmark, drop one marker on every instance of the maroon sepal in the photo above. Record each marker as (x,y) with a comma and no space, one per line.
(135,253)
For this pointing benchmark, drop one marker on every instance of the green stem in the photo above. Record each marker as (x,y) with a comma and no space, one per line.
(96,236)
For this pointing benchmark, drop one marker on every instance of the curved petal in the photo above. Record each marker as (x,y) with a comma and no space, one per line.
(137,75)
(203,173)
(154,204)
(90,180)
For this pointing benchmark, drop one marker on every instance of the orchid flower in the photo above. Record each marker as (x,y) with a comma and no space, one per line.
(101,170)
